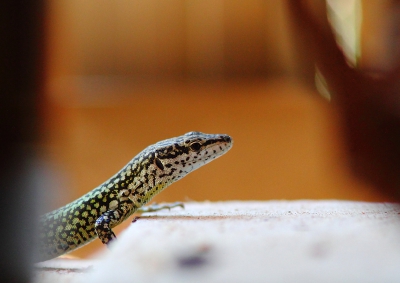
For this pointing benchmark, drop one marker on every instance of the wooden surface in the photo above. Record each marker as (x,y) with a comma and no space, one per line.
(268,241)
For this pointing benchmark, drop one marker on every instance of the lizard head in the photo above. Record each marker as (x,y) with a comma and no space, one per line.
(177,157)
(167,161)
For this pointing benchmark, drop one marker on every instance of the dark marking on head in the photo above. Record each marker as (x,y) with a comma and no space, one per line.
(159,164)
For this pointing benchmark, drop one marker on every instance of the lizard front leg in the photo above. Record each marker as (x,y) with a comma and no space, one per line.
(104,223)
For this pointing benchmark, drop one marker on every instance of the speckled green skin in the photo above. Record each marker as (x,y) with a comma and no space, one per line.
(106,206)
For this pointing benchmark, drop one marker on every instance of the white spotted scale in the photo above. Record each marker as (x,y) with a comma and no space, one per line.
(151,171)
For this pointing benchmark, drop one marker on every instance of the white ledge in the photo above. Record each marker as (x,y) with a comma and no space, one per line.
(263,241)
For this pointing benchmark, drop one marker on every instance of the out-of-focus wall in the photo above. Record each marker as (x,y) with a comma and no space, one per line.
(169,39)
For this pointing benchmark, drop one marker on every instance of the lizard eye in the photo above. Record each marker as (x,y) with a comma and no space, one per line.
(195,146)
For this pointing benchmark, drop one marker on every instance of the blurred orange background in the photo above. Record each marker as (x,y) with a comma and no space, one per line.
(123,75)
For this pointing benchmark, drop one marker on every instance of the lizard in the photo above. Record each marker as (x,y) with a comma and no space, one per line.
(128,191)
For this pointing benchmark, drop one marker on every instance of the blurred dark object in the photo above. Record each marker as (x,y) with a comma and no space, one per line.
(369,105)
(21,33)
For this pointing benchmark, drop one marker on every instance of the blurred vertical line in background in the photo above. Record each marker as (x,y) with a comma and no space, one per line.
(380,36)
(204,38)
(21,50)
(345,17)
